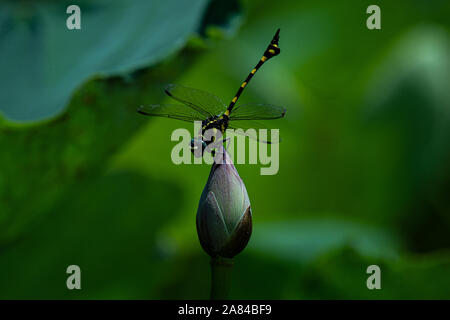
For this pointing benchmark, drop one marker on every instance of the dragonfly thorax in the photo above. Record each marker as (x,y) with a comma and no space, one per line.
(211,127)
(216,122)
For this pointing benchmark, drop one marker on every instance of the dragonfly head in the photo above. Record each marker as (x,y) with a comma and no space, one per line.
(198,146)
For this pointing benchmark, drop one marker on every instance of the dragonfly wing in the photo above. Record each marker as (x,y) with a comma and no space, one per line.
(174,111)
(245,125)
(204,102)
(257,112)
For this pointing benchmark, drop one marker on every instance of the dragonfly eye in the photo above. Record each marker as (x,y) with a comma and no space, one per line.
(198,147)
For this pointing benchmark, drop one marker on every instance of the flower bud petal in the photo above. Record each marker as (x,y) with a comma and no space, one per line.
(240,237)
(211,228)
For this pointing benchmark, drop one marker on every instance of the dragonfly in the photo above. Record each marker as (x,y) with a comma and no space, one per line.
(198,105)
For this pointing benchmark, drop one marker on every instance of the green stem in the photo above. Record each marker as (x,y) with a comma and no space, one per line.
(220,277)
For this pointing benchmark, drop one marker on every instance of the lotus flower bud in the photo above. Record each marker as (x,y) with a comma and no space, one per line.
(224,217)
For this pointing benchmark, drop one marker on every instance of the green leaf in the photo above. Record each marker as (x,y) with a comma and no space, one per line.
(410,87)
(43,62)
(343,275)
(108,227)
(43,160)
(305,240)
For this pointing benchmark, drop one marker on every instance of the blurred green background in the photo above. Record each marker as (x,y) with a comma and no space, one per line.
(364,163)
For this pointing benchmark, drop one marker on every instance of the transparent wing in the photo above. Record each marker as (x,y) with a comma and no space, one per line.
(254,134)
(202,101)
(257,112)
(174,111)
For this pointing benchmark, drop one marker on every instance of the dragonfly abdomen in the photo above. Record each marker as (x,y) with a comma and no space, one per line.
(271,51)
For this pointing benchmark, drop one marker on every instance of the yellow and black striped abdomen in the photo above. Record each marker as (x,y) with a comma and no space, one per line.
(271,51)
